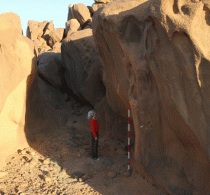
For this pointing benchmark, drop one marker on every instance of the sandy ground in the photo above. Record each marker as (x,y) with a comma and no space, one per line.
(61,163)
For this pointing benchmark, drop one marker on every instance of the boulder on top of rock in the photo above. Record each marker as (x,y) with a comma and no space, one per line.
(18,70)
(50,68)
(35,29)
(72,26)
(48,28)
(55,36)
(155,56)
(83,67)
(80,12)
(70,13)
(96,6)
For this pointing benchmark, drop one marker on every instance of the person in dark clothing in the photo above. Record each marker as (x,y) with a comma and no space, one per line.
(94,135)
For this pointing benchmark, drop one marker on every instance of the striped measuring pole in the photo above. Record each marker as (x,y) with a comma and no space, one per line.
(129,141)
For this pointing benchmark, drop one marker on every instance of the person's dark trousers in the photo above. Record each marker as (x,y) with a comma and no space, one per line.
(94,145)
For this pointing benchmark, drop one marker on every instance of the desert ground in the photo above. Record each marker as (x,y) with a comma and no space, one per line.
(60,163)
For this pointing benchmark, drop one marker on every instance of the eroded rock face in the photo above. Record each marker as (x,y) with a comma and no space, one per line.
(155,55)
(83,67)
(18,70)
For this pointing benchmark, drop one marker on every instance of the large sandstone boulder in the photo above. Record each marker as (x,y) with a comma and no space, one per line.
(155,55)
(80,12)
(35,29)
(55,36)
(72,26)
(83,67)
(50,68)
(18,70)
(48,28)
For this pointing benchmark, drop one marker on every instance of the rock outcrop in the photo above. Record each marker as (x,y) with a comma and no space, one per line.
(80,12)
(155,55)
(35,29)
(83,67)
(45,37)
(18,71)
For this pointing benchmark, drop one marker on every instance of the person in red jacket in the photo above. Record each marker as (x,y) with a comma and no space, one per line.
(94,136)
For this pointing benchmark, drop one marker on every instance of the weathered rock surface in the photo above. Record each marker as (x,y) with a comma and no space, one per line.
(96,6)
(80,12)
(57,47)
(72,26)
(41,46)
(155,55)
(48,28)
(83,67)
(55,36)
(18,70)
(50,68)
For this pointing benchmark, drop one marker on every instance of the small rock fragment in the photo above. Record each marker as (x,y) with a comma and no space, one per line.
(111,174)
(23,152)
(19,151)
(46,161)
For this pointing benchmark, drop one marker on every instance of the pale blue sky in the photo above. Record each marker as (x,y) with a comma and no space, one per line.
(40,10)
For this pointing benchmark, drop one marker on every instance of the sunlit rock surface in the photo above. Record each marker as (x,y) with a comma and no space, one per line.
(18,70)
(155,55)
